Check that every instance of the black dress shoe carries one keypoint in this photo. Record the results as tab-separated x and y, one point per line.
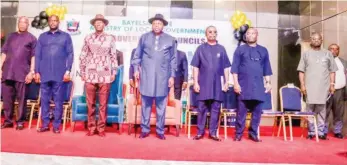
198	137
20	127
254	138
43	129
310	137
7	125
323	137
215	138
161	136
143	135
338	135
90	133
102	134
238	138
56	131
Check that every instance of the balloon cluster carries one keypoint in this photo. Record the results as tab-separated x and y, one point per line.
239	19
59	11
40	21
241	24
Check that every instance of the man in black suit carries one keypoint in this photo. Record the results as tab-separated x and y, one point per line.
181	79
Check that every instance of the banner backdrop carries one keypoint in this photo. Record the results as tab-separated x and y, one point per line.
189	34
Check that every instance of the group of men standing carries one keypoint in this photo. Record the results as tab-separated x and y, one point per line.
156	63
48	60
157	66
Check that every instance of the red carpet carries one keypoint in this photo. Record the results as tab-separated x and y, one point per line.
271	150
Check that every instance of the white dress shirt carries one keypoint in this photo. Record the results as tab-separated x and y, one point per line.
340	78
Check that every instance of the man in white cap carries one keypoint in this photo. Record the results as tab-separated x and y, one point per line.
98	68
156	54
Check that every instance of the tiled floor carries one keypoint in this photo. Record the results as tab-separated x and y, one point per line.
31	159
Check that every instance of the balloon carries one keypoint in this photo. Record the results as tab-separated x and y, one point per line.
244	28
57	10
37	18
64	9
54	7
234	26
249	23
242	17
43	15
239	24
43	22
238	12
234	18
34	24
237	35
55	13
49	11
41	27
61	16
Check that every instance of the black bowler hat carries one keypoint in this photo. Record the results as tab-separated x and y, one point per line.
159	17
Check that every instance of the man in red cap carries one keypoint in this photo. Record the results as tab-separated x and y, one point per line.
98	69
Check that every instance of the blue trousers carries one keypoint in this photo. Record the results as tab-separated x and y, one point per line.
49	89
212	106
255	107
160	103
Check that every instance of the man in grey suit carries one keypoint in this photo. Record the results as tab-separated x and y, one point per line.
156	56
336	103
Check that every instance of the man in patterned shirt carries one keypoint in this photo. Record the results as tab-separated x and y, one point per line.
98	70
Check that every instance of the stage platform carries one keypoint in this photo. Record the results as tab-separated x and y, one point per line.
123	146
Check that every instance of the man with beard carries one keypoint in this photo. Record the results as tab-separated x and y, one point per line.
210	64
251	65
17	70
156	55
317	69
336	103
98	69
53	62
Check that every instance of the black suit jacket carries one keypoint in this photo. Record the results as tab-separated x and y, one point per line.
182	68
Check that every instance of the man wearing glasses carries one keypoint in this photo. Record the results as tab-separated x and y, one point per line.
251	65
210	64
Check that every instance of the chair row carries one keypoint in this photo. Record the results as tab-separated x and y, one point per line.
292	106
